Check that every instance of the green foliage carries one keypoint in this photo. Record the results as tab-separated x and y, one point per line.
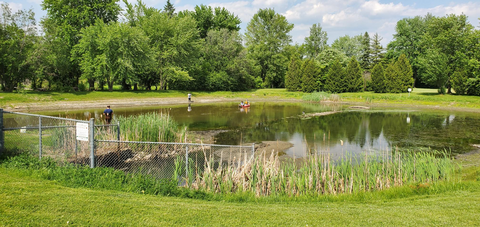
376	49
310	76
69	17
266	37
169	8
473	86
353	76
378	79
405	73
434	68
214	19
408	40
71	175
350	46
294	75
225	63
176	45
459	82
17	38
114	53
316	42
366	50
335	82
392	78
330	55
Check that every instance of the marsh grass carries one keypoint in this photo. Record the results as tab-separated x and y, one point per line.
151	127
320	97
318	174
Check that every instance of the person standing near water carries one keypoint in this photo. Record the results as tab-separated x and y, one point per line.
108	114
189	97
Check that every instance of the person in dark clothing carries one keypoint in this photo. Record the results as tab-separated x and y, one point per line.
108	115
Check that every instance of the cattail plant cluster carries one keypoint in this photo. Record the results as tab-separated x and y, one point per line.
318	174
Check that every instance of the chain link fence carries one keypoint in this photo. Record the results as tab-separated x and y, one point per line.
58	138
164	160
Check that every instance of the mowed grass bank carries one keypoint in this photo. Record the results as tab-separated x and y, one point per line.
28	198
30	201
419	97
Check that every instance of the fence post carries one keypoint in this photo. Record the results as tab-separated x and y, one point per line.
253	149
2	135
118	130
186	162
91	135
40	138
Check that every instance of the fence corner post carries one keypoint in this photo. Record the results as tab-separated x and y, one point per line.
2	135
91	135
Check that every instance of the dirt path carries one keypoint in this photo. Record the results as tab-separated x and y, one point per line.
125	102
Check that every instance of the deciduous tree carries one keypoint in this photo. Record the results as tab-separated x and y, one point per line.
266	37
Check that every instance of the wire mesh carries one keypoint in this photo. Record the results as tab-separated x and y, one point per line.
166	160
44	136
56	138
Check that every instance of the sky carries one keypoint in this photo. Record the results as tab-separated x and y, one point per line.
337	17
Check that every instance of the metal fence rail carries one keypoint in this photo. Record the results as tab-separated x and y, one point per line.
56	138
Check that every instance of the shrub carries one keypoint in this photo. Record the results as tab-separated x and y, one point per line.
378	79
473	86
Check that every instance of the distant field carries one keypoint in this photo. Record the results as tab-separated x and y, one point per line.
419	96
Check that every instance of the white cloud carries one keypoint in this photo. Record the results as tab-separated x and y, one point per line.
14	6
270	3
243	9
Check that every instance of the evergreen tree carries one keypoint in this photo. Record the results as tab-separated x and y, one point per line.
353	76
405	73
366	58
309	78
392	81
378	79
459	82
169	8
335	82
293	76
377	49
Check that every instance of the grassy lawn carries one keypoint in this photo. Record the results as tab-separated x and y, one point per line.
27	200
419	96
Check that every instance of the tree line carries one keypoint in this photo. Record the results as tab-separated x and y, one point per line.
95	44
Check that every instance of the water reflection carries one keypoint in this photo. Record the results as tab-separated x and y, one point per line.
372	130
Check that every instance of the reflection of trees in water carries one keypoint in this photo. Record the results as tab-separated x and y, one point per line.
359	128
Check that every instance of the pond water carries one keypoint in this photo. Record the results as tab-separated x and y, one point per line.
346	130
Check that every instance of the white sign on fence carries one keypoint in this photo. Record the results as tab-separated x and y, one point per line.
82	131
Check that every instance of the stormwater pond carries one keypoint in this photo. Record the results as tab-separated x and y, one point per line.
314	127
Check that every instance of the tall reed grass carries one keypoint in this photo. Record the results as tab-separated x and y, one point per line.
151	127
320	175
320	96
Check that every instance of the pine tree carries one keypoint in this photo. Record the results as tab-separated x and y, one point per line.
309	79
377	49
378	79
336	78
405	73
459	82
366	58
392	82
353	76
293	75
169	8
